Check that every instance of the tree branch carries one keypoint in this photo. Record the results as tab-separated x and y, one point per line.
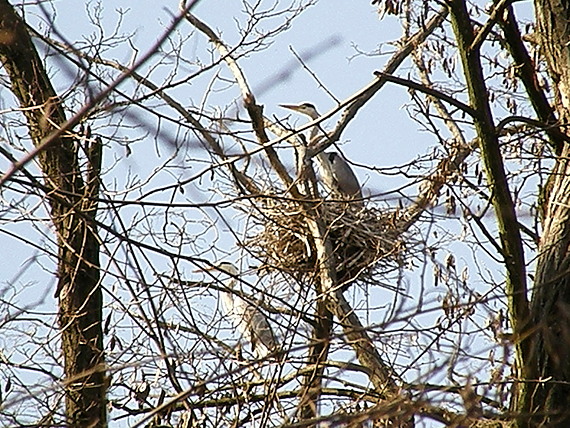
525	69
509	232
255	111
52	139
428	91
498	9
356	101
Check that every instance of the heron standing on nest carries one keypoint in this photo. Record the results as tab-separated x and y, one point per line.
336	174
245	316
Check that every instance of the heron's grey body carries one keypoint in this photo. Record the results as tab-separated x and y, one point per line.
336	174
246	317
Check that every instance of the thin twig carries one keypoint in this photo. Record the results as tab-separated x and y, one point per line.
53	138
428	91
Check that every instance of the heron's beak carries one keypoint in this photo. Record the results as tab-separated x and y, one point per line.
290	106
206	283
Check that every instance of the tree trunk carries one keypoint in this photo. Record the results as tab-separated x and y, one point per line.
73	210
318	353
544	399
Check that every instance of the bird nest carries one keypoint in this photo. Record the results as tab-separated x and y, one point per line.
363	240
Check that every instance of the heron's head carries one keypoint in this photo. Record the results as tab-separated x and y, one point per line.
225	267
307	109
332	157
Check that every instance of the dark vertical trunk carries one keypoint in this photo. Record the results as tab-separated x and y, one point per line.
544	400
318	354
72	212
507	222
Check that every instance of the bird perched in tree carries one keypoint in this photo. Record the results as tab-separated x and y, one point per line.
245	316
307	109
336	174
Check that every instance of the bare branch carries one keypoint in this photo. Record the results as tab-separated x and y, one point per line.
69	124
428	91
255	111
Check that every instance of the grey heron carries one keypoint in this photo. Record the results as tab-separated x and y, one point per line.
307	109
336	174
245	316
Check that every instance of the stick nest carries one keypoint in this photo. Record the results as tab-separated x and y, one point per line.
364	240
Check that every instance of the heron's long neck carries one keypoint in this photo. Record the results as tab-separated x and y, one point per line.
314	129
228	297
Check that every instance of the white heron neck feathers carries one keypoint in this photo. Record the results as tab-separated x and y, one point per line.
246	316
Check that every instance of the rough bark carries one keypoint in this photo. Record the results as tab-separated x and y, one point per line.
72	212
509	233
526	71
318	353
545	398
